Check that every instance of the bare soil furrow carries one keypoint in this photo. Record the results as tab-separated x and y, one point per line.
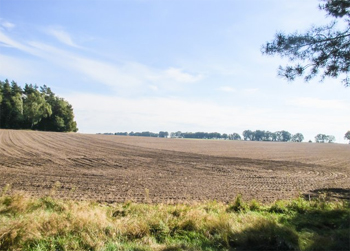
116	169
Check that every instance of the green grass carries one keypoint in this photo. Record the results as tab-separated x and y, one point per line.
52	224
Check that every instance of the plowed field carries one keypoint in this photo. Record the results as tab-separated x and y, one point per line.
119	168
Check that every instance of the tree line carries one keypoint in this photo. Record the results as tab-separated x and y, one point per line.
248	135
34	108
279	136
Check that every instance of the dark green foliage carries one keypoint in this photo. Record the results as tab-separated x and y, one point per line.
324	48
280	136
187	135
238	206
258	135
33	109
144	134
347	136
323	138
235	136
121	133
298	137
11	107
162	134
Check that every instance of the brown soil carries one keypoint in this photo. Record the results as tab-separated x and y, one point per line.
118	168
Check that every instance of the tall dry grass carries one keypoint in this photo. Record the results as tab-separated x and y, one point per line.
50	224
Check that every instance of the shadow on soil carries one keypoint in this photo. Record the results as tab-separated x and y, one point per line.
329	194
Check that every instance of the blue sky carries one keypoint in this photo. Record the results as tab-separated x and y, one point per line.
170	65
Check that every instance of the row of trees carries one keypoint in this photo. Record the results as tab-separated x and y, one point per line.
161	134
279	136
248	135
179	134
34	108
323	138
201	135
257	135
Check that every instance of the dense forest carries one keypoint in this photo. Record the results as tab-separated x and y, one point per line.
34	108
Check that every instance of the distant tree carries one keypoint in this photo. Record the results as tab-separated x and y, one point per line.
273	136
224	136
268	136
163	134
321	138
235	136
35	108
248	135
325	49
177	134
62	118
260	135
331	139
283	136
16	106
298	137
214	135
6	105
121	133
144	134
347	136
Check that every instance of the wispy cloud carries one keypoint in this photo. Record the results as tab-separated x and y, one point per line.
181	76
250	90
169	113
7	25
200	115
227	89
61	36
9	42
127	75
11	66
319	103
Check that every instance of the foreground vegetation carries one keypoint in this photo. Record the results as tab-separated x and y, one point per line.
51	224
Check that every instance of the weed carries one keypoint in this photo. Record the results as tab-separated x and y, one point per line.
147	199
6	189
279	207
238	206
254	205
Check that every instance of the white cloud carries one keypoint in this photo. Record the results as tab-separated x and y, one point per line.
11	67
61	36
111	114
127	75
180	76
153	87
226	89
251	90
9	42
7	25
154	113
320	103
